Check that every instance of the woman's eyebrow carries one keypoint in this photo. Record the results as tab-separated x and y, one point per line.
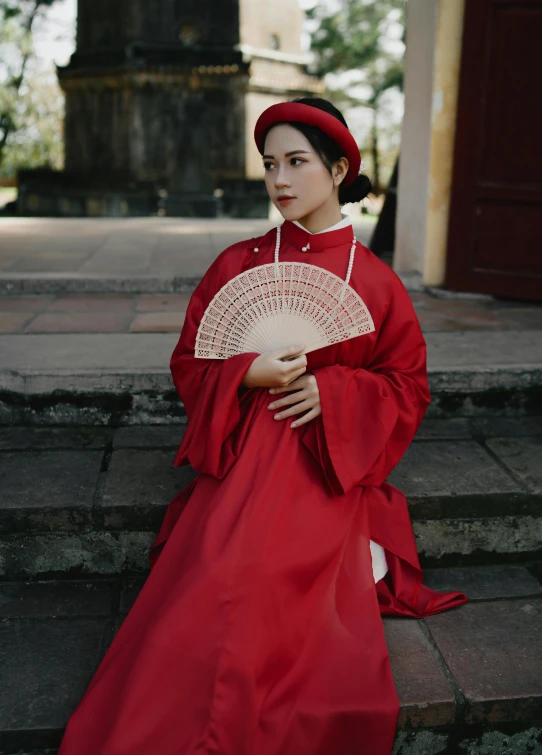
288	154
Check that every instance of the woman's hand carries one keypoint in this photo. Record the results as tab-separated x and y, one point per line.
276	369
306	397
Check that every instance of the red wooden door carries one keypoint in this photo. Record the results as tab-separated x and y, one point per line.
495	228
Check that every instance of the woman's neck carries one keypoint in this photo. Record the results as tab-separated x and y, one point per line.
321	218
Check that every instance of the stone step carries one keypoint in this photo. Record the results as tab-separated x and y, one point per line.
124	378
97	283
468	679
89	500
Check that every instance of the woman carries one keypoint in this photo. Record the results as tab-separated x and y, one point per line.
258	630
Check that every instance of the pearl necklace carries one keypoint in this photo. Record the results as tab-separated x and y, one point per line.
348	272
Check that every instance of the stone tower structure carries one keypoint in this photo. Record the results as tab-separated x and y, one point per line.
161	101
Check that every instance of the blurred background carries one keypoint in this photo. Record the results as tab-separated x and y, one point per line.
127	164
148	109
348	53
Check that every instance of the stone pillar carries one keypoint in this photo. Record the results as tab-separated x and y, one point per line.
433	54
161	101
155	94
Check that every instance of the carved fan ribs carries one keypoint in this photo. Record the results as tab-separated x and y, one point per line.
256	311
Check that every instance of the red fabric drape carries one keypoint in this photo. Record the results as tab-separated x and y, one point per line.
258	630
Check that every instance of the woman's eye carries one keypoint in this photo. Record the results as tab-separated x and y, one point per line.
268	166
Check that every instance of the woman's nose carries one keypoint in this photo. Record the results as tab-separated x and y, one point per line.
281	179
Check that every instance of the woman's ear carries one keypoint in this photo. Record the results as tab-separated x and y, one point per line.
340	169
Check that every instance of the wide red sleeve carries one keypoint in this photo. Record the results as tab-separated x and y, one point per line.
210	389
371	414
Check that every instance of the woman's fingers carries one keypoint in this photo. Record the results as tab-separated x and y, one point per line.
291	398
306	398
288	351
298	363
301	406
291	379
268	369
306	417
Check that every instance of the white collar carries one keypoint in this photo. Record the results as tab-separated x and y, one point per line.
344	223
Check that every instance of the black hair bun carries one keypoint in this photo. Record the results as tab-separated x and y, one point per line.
356	191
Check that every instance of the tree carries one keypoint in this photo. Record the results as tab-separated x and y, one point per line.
352	39
17	19
38	142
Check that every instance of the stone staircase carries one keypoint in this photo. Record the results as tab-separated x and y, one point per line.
89	425
81	505
124	379
468	679
87	501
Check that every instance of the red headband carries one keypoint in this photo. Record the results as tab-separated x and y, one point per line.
300	113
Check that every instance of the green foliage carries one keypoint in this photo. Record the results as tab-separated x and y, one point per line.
349	38
22	107
353	38
38	141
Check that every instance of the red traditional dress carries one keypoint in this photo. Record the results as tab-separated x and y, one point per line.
259	630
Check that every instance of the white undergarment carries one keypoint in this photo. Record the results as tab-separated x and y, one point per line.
380	565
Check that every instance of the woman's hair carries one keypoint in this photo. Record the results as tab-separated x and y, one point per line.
329	151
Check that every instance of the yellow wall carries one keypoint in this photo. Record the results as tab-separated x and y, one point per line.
259	20
443	117
412	190
433	39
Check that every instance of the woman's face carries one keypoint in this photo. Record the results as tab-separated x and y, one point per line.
292	168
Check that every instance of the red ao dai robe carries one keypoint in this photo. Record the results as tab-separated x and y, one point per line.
259	630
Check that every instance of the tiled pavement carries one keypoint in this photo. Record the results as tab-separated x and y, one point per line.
93	313
141	246
162	313
104	254
118	245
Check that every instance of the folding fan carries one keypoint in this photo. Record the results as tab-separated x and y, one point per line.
280	304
